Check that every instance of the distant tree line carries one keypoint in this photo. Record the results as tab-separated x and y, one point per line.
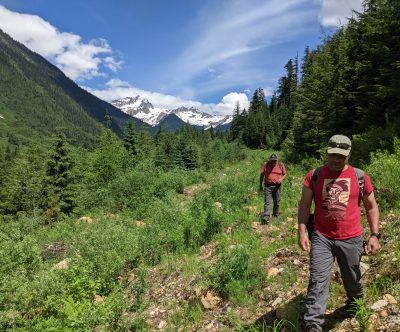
66	179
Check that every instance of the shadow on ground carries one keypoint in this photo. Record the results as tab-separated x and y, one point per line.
289	317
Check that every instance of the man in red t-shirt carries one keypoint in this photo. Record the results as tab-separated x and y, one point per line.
337	230
272	174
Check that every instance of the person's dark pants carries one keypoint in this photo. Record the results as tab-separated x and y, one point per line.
272	191
323	253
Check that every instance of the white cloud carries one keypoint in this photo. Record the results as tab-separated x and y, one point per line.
268	91
117	83
118	89
76	59
227	36
229	102
335	13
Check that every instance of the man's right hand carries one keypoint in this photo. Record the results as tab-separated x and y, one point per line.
304	242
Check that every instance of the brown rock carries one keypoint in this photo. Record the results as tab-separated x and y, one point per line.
63	265
85	219
383	313
272	272
379	305
162	325
98	299
131	277
276	302
228	230
210	300
218	205
372	323
390	299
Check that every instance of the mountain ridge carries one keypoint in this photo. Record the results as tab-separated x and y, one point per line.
37	98
143	109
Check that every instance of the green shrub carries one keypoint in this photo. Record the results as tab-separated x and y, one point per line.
236	273
384	171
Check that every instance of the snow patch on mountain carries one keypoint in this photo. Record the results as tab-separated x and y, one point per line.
142	109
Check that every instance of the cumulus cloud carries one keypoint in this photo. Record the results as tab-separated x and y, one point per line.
78	60
335	13
118	89
229	102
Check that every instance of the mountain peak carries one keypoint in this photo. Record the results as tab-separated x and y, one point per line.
144	110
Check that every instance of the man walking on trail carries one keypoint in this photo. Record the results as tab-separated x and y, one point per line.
272	174
337	192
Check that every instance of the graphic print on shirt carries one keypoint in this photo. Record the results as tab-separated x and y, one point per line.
335	197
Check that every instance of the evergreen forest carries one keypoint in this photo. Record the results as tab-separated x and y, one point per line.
105	226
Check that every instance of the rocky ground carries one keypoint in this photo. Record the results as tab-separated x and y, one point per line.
174	286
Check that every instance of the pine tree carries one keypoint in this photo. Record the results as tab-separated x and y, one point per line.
238	123
131	140
59	178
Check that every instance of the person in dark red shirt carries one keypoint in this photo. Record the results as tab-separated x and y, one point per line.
337	232
272	174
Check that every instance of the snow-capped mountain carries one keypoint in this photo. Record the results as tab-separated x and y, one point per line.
142	109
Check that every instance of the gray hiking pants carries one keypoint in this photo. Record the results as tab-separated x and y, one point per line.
323	253
272	191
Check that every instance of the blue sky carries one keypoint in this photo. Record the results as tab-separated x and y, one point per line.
202	53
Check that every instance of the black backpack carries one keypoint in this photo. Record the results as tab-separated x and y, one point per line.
314	179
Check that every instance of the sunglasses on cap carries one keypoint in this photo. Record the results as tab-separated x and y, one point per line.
343	146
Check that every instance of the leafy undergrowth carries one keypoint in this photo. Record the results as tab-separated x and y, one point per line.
196	260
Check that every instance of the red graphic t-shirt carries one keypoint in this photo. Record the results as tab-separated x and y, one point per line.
272	172
337	214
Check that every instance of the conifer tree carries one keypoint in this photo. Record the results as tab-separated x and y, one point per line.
59	179
238	123
131	140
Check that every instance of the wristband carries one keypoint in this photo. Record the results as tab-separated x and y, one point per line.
377	235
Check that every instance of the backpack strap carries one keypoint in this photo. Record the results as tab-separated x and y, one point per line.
314	179
360	180
280	166
311	219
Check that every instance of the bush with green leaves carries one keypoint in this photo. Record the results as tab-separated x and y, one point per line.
236	272
385	175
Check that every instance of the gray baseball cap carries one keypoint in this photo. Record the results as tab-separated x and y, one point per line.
339	144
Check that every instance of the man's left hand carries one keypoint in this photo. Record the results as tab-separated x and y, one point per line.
373	245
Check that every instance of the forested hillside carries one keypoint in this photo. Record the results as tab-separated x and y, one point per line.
349	84
36	98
